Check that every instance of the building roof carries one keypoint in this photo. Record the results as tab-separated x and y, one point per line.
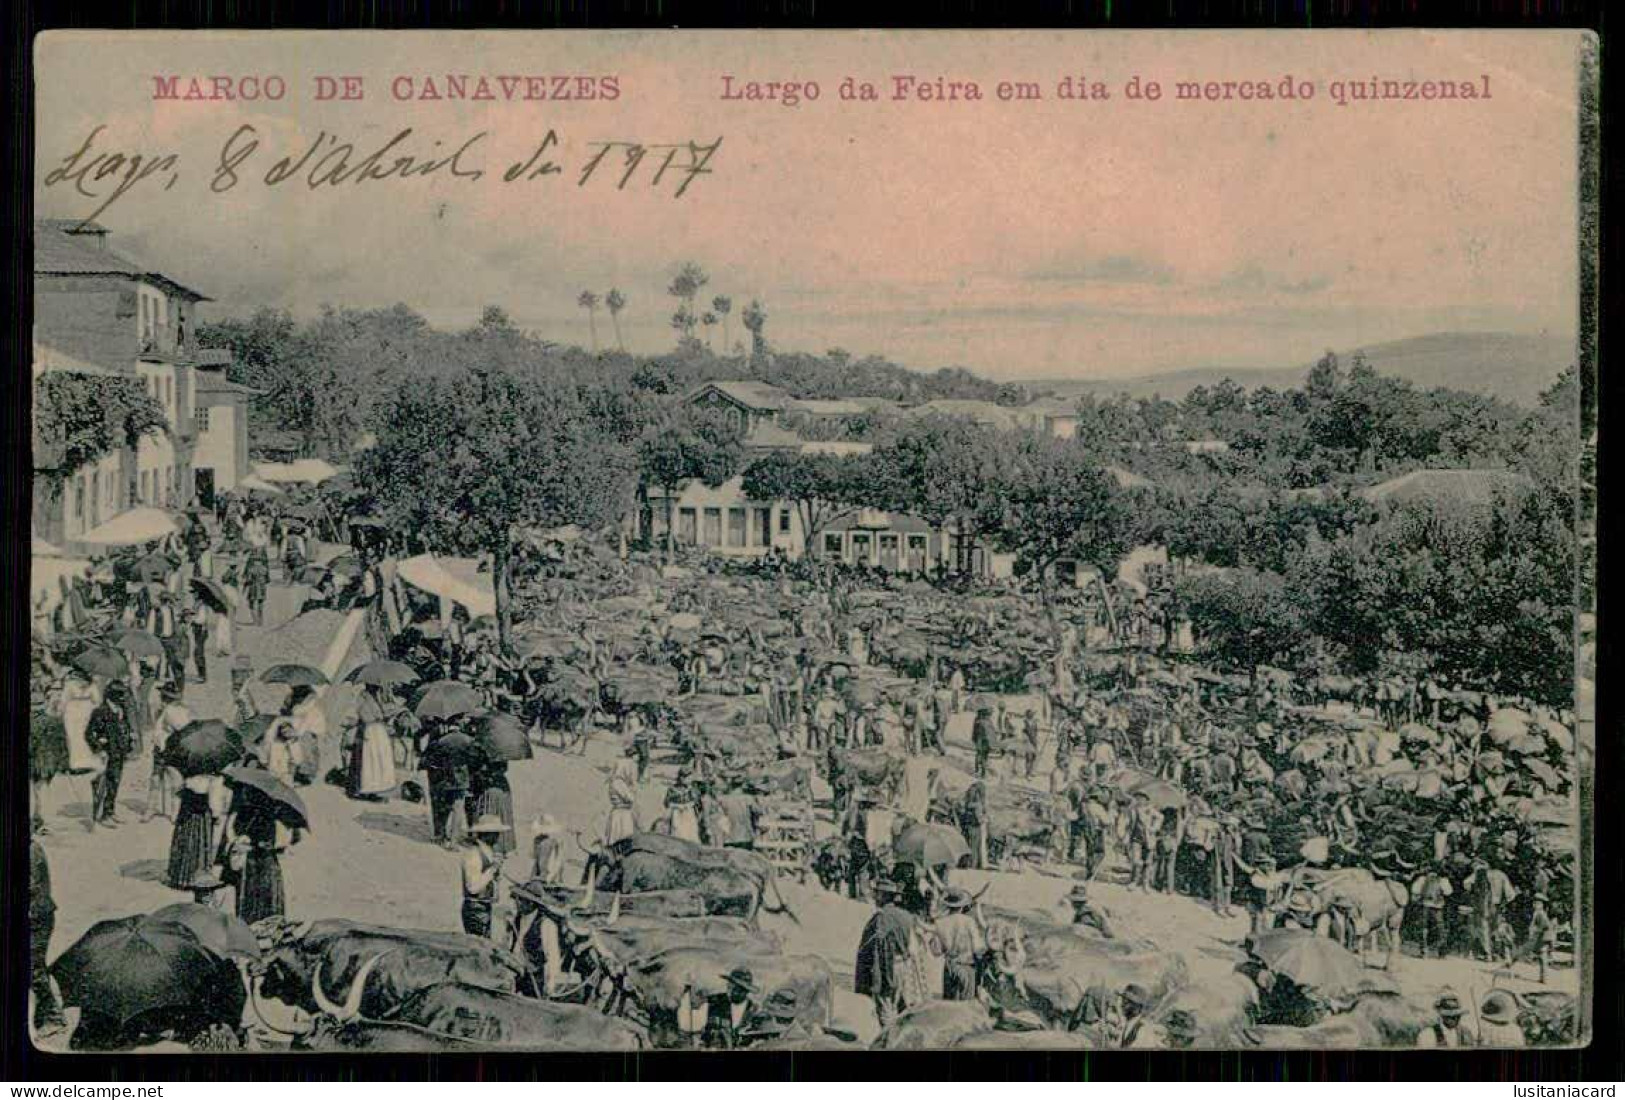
822	407
771	436
216	382
836	447
1467	486
1051	406
983	412
756	396
63	246
48	358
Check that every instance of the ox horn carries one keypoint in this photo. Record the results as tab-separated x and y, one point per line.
254	1003
351	1008
614	910
592	890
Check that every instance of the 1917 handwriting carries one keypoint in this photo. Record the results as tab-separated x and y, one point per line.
330	160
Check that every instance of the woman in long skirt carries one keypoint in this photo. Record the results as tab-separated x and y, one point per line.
261	839
372	756
490	796
191	847
372	762
80	697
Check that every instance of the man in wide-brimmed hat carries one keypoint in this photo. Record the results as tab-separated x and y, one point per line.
964	942
729	1012
1133	1001
1085	913
482	867
1447	1030
1498	1016
887	969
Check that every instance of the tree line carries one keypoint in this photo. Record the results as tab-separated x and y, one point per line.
1278	557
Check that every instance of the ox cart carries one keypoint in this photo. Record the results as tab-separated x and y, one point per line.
785	837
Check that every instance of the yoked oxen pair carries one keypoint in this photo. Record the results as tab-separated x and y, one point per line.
414	990
664	970
1353	905
734	882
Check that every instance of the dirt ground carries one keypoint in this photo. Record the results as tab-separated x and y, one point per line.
375	862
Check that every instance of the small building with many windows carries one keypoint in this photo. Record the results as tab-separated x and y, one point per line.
220	460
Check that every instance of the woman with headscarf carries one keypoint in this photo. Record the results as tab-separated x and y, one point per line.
372	755
623	819
256	843
80	698
191	843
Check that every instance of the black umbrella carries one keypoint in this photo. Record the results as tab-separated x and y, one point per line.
283	800
447	699
216	929
139	643
153	567
294	675
451	750
501	736
124	968
203	747
100	661
384	673
213	594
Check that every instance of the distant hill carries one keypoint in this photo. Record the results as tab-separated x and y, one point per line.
1512	366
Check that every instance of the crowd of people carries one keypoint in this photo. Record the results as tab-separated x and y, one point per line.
1024	727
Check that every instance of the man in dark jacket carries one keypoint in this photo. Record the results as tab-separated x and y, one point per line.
110	734
886	970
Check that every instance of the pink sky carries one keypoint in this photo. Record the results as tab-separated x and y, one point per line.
1058	239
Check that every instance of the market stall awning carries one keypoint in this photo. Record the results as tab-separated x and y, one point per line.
255	483
455	579
309	470
45	577
131	528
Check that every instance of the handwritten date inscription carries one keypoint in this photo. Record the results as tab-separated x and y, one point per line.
331	161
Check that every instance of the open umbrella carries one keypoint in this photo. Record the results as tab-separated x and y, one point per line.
139	643
252	732
203	747
1318	963
153	567
451	750
213	593
216	929
447	699
125	968
501	736
294	675
100	661
930	846
283	800
384	674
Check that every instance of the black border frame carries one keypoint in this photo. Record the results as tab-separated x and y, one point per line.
1603	1060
